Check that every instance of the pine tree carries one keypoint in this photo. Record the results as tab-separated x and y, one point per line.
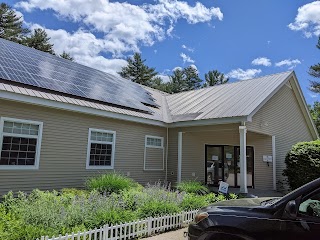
11	24
137	71
177	81
192	78
66	55
315	114
39	40
213	78
314	71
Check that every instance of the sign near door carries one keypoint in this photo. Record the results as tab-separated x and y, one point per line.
223	187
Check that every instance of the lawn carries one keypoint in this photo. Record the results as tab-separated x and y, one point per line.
108	199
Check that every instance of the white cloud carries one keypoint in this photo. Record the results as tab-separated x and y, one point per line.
288	62
243	74
186	58
307	19
177	68
165	78
187	48
126	26
84	47
263	61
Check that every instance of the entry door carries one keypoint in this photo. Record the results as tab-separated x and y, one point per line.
250	162
214	163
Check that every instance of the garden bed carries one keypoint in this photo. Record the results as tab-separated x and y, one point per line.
50	213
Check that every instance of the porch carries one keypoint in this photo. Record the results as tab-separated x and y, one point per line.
230	152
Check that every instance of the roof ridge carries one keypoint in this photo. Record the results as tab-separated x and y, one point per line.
229	83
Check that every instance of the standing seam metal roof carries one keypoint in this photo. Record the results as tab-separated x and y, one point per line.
223	101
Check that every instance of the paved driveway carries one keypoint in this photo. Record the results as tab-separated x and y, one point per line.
173	235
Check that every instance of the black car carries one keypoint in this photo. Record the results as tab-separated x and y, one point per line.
294	216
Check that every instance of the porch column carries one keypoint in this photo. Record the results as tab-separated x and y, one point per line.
179	156
274	172
243	159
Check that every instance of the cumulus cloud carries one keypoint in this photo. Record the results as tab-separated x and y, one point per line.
164	78
187	48
307	19
125	26
243	74
186	58
263	61
288	62
84	47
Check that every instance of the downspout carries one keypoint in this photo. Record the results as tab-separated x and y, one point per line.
166	178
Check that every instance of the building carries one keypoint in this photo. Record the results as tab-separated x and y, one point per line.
62	122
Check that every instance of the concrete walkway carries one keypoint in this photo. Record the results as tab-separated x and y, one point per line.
173	235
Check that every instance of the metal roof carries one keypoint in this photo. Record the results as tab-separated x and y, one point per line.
229	100
224	101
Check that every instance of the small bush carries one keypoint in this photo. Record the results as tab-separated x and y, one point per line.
303	163
110	183
192	187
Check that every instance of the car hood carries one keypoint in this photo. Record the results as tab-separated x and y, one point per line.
243	202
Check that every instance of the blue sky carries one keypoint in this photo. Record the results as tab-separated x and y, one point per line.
240	38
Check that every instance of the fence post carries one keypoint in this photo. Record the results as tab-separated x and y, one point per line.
149	226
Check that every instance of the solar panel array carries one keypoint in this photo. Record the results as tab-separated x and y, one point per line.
25	65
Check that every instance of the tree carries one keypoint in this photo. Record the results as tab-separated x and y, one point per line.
137	71
314	71
39	40
11	24
192	78
315	114
177	81
66	55
213	78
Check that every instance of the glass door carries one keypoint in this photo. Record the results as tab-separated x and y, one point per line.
214	164
250	162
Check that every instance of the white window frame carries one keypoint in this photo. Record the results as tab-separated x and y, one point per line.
113	143
150	146
38	147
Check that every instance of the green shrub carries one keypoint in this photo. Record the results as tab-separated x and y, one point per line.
192	187
192	201
110	183
303	163
74	192
156	208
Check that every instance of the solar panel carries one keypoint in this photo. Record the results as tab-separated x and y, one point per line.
26	65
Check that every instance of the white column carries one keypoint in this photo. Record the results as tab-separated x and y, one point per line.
179	156
243	159
274	172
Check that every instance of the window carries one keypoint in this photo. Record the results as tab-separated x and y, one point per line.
153	153
20	143
310	206
154	141
100	152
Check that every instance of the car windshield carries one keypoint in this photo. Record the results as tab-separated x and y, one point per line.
270	202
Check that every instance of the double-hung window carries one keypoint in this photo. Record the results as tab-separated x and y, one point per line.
20	142
101	149
153	153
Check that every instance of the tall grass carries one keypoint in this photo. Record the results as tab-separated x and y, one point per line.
192	186
110	183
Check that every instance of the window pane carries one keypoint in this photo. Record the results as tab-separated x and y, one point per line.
18	151
20	128
103	137
156	142
100	154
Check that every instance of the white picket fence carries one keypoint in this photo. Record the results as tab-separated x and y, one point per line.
141	228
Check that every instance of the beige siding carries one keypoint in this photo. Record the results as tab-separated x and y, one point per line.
64	146
154	158
193	148
281	116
